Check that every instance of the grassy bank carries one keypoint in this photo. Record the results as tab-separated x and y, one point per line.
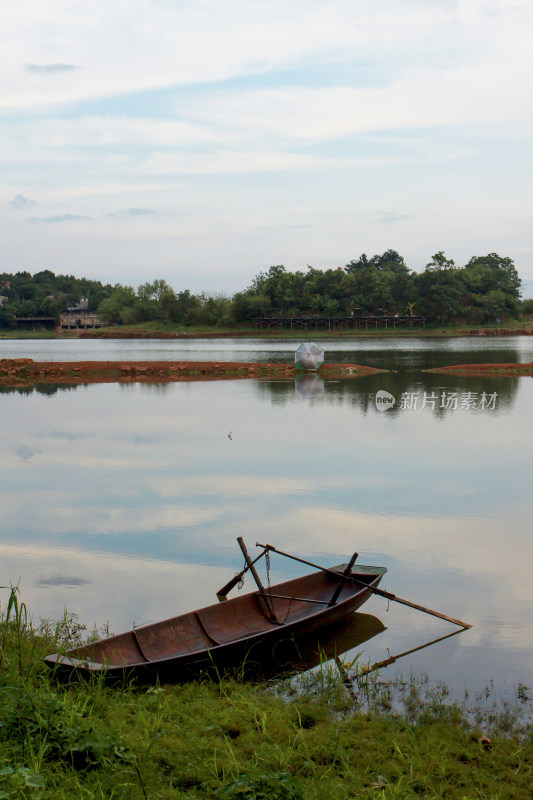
158	329
238	741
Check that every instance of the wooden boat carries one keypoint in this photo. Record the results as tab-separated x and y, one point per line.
244	629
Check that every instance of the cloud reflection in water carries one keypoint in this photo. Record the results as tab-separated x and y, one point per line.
132	514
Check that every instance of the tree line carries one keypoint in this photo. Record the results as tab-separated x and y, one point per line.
484	289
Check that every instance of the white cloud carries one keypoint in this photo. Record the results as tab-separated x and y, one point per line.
97	131
467	95
286	111
226	162
139	44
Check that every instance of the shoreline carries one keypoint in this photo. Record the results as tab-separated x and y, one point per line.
300	737
126	332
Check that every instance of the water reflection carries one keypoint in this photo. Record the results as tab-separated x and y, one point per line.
47	389
411	391
309	386
440	354
393	659
62	580
313	650
131	515
438	394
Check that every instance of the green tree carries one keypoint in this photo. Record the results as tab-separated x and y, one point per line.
7	317
121	305
440	290
247	306
440	262
492	288
527	307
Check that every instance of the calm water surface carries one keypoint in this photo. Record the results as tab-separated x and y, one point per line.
382	352
123	502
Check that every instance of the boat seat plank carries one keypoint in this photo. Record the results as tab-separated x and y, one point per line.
177	636
139	645
247	619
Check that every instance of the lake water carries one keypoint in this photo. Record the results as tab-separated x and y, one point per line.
123	502
382	352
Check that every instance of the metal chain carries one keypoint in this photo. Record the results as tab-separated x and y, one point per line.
267	562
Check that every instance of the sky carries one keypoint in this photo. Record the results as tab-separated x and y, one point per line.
202	142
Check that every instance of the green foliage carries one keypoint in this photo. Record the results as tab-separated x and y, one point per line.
157	301
20	782
58	730
527	308
121	307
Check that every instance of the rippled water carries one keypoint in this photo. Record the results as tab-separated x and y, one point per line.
123	502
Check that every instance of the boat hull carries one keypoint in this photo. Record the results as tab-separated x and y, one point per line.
238	635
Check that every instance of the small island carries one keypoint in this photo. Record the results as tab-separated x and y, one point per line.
26	371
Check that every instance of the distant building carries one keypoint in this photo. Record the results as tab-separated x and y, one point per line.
77	315
3	299
82	305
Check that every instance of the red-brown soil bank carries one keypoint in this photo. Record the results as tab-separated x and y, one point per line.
25	371
500	370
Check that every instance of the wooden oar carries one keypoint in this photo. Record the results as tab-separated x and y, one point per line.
373	589
271	614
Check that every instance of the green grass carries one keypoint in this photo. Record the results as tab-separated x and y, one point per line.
430	330
152	327
8	334
296	739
